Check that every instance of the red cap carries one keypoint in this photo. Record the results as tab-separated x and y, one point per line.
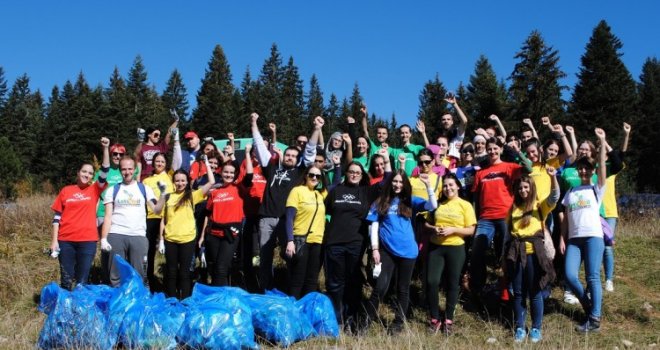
117	147
190	135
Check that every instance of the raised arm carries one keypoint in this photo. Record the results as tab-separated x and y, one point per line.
525	162
422	130
168	135
260	149
232	144
209	176
496	119
568	152
273	132
349	147
574	145
553	198
601	171
365	123
432	202
462	118
546	122
626	137
310	148
177	157
105	163
530	125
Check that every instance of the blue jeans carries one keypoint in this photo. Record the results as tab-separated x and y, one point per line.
75	261
608	257
589	249
526	283
487	231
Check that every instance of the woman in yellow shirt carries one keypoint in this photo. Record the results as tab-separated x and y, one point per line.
450	223
179	231
304	226
528	267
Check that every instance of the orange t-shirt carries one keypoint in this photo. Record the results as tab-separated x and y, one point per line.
493	188
78	208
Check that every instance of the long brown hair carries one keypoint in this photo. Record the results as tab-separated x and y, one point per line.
405	197
187	193
526	204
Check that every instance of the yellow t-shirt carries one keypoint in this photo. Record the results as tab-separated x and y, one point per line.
542	181
419	189
180	223
609	198
152	181
305	201
536	223
455	212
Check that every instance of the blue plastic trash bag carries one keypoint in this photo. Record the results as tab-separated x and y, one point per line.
277	319
321	314
213	326
152	324
231	300
74	321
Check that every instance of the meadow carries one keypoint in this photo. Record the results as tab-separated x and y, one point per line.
630	313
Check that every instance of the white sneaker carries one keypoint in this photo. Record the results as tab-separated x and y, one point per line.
570	298
609	286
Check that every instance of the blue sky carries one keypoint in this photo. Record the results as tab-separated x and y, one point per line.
389	48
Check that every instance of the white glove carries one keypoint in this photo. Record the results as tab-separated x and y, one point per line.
175	133
105	246
161	247
202	259
377	268
55	253
141	134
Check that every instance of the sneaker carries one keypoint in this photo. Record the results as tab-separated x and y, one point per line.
570	298
592	325
609	286
434	325
448	327
535	335
520	335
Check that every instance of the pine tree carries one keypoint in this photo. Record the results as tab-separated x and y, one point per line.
485	96
605	94
392	129
292	104
331	114
3	89
249	101
535	89
146	108
269	88
215	114
314	105
116	111
175	97
647	132
11	169
432	106
52	166
356	101
22	120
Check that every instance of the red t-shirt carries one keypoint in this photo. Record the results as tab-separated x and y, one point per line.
256	193
226	204
493	185
78	208
147	155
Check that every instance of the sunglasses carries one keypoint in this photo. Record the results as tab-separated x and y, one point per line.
116	154
301	141
156	134
319	160
314	176
467	150
424	162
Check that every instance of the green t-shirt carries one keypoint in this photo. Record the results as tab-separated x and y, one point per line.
411	152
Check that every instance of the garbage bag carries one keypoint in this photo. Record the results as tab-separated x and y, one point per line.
152	324
277	319
320	313
74	321
212	326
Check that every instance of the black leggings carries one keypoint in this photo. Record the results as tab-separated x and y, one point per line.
153	236
439	257
304	270
177	260
219	256
404	269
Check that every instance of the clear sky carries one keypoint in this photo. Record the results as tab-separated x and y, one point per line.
390	48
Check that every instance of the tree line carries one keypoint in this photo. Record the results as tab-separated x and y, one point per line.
45	138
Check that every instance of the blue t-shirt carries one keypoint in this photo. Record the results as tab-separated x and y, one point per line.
395	231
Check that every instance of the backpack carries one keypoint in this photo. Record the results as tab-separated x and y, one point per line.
115	191
608	235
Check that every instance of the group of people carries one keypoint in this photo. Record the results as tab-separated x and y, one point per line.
358	209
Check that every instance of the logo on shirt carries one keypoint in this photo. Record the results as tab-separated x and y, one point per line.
280	175
78	197
222	197
129	199
580	203
348	199
494	176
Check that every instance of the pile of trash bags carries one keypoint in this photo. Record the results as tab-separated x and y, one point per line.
129	316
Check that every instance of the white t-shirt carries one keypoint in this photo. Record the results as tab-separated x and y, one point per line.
129	216
582	208
455	145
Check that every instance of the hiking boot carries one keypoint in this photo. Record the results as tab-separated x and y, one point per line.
570	298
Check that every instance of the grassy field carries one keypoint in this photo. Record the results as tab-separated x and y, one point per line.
630	314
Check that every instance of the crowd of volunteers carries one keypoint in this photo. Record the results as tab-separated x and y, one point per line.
445	212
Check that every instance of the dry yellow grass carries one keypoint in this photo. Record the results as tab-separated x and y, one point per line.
25	232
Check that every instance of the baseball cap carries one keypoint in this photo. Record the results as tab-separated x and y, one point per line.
190	135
